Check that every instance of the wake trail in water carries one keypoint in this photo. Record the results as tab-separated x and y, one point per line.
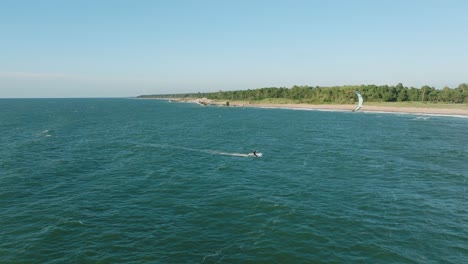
229	154
206	151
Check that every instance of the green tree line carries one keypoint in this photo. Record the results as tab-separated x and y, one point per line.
339	94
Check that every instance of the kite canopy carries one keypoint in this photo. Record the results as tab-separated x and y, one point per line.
359	105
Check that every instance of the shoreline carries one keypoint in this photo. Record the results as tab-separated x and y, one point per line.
439	111
364	108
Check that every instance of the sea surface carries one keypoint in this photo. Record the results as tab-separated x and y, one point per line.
149	181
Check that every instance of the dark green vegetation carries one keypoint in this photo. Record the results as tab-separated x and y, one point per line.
338	94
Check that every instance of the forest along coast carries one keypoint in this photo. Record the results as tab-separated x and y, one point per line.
384	98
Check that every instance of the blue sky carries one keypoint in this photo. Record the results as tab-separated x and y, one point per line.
127	48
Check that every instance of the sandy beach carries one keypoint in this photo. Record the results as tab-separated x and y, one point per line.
435	110
365	108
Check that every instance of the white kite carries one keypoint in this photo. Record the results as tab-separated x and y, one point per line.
359	105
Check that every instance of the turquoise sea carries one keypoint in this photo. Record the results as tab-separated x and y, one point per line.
149	181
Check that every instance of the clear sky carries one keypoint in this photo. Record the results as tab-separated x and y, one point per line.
99	48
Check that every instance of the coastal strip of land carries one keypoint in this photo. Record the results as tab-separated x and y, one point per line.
371	108
408	108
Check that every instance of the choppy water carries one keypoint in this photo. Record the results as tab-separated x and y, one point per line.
146	181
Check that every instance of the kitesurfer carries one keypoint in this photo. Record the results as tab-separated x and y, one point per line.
255	153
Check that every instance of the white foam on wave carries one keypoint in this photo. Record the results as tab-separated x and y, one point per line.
43	133
74	222
422	117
